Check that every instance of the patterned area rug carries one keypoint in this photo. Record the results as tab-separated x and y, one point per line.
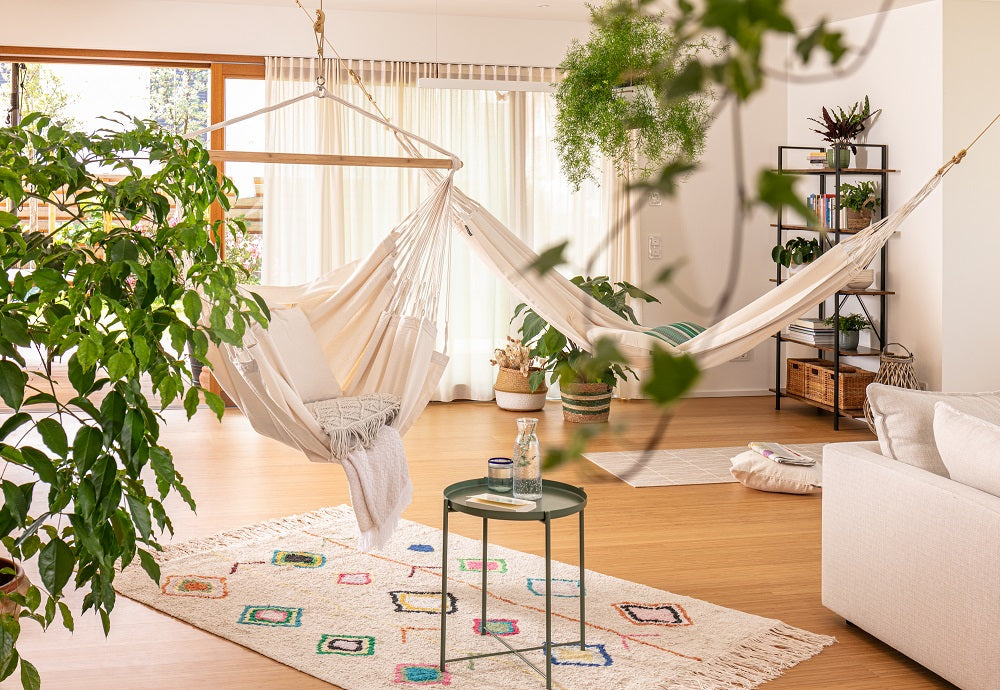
681	466
296	590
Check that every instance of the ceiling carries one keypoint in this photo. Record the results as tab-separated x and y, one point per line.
805	11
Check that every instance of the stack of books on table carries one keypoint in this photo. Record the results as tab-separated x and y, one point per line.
818	159
812	331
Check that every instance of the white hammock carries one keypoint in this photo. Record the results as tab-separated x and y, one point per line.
376	319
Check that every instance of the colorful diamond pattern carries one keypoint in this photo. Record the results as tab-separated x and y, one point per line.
421	602
271	616
299	559
354	579
671	615
501	627
475	565
593	655
560	587
201	586
346	645
421	674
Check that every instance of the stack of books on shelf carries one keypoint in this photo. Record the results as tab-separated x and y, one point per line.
812	331
825	208
818	159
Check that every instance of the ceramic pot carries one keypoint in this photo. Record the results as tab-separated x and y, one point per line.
845	158
10	584
586	403
849	340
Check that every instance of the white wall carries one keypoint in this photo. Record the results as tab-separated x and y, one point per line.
249	29
971	241
698	228
903	76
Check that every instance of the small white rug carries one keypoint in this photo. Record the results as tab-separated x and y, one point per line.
681	466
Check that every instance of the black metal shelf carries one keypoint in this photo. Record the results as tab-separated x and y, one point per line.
833	235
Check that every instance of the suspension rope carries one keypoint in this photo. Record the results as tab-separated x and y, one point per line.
957	158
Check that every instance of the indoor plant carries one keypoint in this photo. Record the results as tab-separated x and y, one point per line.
513	388
797	252
850	327
860	200
608	107
841	128
585	379
116	293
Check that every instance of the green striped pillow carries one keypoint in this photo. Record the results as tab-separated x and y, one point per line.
676	333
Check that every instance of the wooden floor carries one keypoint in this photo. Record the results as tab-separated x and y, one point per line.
723	543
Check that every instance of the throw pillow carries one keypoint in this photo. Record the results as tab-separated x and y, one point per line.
968	447
757	472
904	421
298	354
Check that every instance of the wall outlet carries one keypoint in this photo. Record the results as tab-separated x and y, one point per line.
745	357
654	247
655	199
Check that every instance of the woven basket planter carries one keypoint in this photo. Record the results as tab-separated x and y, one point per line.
586	403
513	392
858	220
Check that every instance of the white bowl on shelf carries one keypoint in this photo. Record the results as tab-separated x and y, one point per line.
862	281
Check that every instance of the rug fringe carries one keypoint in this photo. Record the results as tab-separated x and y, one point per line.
752	663
258	531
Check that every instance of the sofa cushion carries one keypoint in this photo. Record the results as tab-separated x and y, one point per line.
968	447
757	472
904	421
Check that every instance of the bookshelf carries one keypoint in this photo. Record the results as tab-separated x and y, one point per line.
822	177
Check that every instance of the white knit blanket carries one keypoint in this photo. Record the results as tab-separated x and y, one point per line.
371	453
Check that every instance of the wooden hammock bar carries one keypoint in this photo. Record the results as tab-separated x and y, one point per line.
328	159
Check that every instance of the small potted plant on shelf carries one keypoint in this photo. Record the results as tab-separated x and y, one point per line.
585	381
841	128
513	385
797	252
850	328
860	200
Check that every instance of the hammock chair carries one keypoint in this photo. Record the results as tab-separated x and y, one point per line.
371	326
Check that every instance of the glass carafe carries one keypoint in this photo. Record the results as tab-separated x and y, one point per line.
527	461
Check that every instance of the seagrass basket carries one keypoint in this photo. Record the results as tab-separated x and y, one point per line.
893	370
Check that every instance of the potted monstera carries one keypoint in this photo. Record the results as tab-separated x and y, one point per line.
115	293
586	380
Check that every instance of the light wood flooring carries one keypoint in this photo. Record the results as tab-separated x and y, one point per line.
724	543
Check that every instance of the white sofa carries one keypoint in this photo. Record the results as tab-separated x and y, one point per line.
914	559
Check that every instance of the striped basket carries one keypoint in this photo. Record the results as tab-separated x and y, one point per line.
586	403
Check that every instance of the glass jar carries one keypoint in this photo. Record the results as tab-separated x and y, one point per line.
527	461
500	475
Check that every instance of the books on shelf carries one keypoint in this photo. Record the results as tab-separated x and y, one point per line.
825	208
781	454
812	331
818	159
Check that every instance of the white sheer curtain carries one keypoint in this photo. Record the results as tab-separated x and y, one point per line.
317	218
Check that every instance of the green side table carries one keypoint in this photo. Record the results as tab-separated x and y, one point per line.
558	500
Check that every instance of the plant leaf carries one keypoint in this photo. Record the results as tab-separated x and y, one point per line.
55	565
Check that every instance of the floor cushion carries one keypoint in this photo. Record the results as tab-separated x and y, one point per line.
752	469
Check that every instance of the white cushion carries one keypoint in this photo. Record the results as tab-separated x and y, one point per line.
301	355
969	448
757	472
904	421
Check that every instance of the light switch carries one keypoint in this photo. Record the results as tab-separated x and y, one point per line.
654	247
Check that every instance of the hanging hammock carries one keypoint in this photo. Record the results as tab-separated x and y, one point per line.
375	321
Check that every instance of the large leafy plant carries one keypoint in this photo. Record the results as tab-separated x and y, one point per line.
843	127
564	360
115	293
639	133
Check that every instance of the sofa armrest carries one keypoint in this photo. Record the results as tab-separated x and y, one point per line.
914	559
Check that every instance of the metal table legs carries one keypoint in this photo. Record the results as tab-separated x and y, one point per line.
483	628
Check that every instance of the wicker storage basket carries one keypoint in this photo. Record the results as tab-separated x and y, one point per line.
586	403
511	381
795	378
852	380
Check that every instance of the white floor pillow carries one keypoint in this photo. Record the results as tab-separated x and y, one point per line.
757	472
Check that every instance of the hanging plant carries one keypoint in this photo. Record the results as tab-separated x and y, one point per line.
607	106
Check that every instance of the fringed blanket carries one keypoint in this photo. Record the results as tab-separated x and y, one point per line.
371	453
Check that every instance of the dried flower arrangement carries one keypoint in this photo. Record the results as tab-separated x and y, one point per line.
514	355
